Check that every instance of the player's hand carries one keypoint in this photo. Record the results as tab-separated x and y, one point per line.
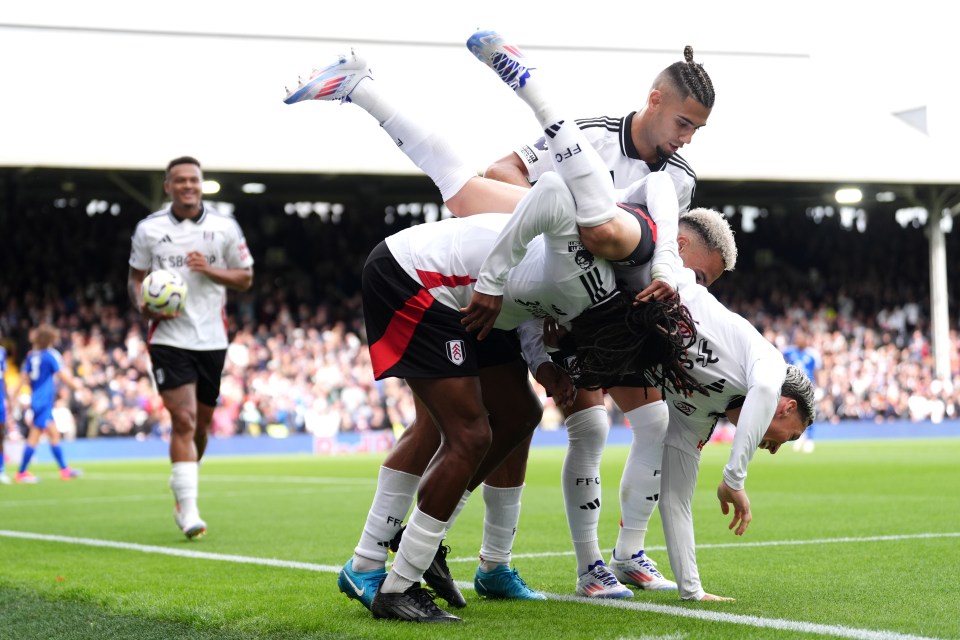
557	383
658	290
741	507
552	332
153	315
196	261
481	313
709	597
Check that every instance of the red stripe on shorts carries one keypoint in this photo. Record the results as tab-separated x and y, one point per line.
643	214
387	351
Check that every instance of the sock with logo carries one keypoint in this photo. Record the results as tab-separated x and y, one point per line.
420	541
640	484
391	503
580	480
500	518
574	159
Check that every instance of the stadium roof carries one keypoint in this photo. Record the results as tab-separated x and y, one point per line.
806	93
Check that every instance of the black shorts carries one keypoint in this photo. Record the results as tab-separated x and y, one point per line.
174	367
412	335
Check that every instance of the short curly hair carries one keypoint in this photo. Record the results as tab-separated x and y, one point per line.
797	385
715	232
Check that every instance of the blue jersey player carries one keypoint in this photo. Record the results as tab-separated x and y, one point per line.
44	368
807	358
4	416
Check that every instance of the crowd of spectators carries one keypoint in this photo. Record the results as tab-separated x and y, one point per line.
298	361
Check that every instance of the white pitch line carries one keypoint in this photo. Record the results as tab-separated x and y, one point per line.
169	551
238	479
681	612
745	545
779	624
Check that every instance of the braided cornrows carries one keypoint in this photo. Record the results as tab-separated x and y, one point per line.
690	78
619	338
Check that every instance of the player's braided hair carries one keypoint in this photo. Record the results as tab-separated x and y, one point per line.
619	337
797	385
690	78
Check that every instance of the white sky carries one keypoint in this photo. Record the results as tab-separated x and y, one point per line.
804	90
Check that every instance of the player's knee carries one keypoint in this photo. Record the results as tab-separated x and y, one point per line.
470	436
183	420
530	414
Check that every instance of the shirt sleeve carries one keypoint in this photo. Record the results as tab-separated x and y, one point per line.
663	208
140	254
548	208
532	345
765	379
237	254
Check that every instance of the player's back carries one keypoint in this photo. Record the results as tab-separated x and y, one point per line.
722	359
40	366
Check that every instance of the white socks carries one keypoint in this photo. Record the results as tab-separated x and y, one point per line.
640	484
366	96
420	541
393	499
580	166
184	482
428	150
500	519
580	480
458	508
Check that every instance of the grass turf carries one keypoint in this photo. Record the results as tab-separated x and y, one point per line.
835	541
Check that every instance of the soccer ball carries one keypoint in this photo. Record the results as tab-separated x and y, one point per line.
164	292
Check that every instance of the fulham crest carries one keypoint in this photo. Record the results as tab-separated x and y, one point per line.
455	352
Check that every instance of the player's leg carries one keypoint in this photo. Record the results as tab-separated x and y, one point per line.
4	478
679	479
397	483
29	448
647	416
397	310
587	424
456	406
574	158
515	411
53	439
605	230
181	403
350	80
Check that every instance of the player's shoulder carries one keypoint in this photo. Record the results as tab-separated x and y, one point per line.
678	167
601	125
155	219
216	218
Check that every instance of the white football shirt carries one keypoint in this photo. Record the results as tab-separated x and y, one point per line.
161	241
611	138
533	257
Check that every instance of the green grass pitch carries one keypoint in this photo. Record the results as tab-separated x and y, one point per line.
857	540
